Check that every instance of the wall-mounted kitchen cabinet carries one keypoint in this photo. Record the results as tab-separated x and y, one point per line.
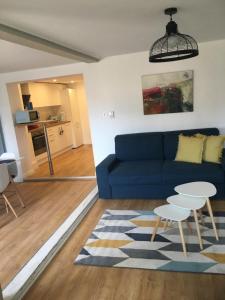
43	94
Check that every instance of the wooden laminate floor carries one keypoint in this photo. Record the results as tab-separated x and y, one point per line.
74	162
63	280
48	204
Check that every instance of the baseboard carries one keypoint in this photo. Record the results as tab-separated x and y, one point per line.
32	170
26	277
55	178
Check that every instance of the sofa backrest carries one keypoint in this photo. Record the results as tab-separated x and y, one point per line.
139	146
153	145
171	139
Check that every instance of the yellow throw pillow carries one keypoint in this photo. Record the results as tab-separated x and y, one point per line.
202	136
213	147
190	149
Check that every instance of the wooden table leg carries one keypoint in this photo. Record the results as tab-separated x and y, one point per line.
165	225
212	218
155	229
198	229
182	238
201	216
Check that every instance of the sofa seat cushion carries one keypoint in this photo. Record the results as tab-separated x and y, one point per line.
175	172
136	172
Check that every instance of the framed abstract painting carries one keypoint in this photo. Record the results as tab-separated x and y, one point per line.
168	92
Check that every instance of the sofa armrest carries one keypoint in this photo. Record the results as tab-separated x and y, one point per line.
102	172
223	159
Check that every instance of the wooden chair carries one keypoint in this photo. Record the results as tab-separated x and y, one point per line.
5	180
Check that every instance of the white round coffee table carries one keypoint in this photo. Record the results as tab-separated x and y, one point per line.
173	213
190	203
200	189
196	189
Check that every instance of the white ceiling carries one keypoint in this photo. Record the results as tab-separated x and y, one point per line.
14	57
103	28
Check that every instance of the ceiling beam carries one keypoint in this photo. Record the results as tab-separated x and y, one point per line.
26	39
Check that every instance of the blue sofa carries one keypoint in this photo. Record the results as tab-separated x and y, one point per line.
143	166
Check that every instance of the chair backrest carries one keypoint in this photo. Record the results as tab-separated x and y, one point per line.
4	177
10	159
7	155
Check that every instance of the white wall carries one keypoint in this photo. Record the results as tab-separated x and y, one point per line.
84	115
114	84
77	95
23	137
23	76
7	121
8	124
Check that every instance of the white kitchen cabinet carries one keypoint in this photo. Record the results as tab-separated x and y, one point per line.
74	108
53	139
44	94
67	132
59	137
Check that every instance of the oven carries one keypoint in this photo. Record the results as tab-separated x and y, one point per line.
39	144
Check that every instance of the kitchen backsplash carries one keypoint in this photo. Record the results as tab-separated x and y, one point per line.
45	112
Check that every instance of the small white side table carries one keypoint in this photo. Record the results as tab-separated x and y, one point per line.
200	189
173	213
190	203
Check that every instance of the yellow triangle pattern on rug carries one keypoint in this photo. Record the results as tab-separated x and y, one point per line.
108	243
146	223
218	257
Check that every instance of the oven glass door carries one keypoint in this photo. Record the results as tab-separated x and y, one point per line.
39	144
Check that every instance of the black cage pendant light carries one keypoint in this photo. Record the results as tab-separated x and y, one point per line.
173	45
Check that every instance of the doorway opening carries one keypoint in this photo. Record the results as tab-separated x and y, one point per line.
58	113
59	144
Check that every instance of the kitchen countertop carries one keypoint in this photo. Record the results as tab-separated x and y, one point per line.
49	124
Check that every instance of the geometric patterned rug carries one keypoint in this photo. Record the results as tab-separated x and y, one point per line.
122	240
